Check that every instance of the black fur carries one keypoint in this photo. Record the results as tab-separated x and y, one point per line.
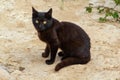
69	37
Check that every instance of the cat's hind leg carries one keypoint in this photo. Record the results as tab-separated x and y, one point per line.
62	55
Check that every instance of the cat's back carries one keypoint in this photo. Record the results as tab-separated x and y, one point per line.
71	26
73	30
70	33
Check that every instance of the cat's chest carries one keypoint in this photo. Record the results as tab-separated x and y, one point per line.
47	36
44	37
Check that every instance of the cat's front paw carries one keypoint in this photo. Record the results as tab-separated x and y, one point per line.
45	55
49	62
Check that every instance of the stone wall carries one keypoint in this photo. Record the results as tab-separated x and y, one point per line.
107	3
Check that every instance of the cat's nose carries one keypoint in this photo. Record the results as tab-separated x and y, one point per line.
40	26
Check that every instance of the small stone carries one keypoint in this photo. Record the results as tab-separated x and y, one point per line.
21	68
4	75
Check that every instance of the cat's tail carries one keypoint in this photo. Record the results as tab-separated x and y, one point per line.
70	61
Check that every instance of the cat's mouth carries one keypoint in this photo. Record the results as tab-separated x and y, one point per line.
42	29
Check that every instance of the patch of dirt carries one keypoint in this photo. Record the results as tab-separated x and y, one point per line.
20	48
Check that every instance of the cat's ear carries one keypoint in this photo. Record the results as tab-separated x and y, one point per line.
49	14
34	12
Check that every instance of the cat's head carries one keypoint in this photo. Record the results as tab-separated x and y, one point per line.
42	20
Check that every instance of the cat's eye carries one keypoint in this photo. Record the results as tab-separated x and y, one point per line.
37	21
44	22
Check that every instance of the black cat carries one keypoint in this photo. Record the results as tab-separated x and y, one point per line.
69	37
